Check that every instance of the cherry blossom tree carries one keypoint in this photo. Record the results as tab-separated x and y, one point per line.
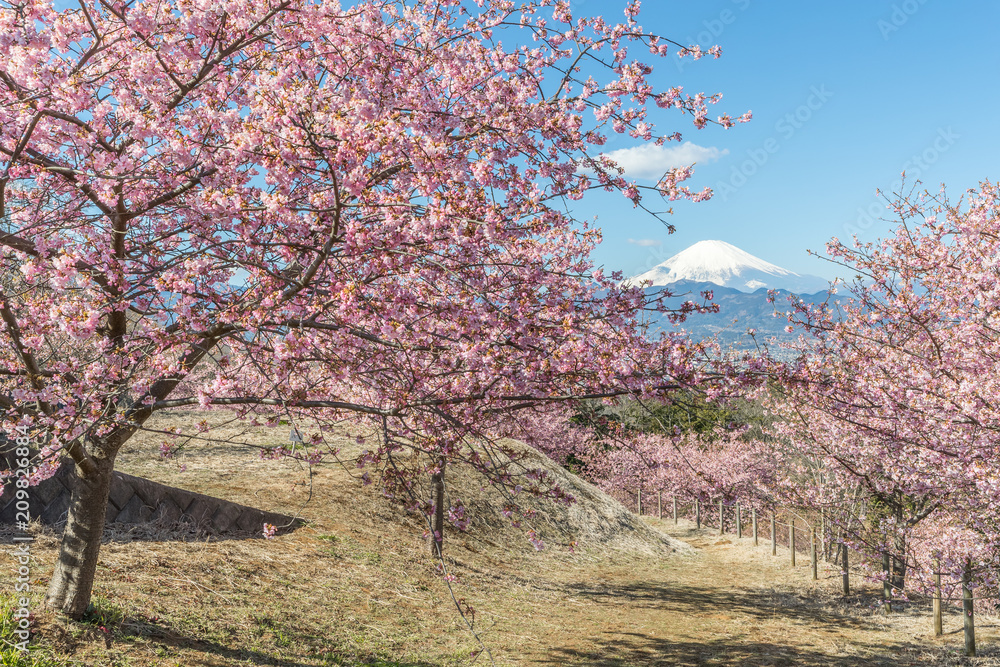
723	465
895	401
629	447
291	207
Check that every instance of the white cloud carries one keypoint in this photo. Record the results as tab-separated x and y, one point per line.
650	161
645	243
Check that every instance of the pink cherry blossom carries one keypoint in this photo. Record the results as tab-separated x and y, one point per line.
300	211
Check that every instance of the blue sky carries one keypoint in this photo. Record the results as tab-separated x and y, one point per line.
844	95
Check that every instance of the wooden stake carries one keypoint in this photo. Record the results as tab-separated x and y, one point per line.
675	510
697	513
886	585
970	621
774	537
938	625
846	573
791	538
739	521
638	501
722	519
812	549
753	514
659	505
822	537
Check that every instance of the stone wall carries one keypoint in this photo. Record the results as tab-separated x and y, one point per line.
135	500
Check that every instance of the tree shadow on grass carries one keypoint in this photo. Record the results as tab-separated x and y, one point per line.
136	631
683	601
633	650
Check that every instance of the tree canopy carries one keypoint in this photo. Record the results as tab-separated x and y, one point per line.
301	206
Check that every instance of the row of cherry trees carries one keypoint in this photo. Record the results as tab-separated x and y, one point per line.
896	402
887	422
623	452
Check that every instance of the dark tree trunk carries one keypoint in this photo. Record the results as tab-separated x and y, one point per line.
73	577
437	518
898	575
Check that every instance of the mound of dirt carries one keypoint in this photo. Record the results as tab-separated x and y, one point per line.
594	521
224	462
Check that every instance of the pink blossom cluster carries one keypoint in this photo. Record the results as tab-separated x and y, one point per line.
720	465
891	411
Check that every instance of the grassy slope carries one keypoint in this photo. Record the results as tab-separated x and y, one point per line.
355	586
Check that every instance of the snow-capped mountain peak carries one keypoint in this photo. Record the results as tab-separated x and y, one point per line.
724	264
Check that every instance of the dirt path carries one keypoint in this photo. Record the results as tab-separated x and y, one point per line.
732	604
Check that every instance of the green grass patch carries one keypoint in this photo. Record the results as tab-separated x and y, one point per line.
11	653
103	612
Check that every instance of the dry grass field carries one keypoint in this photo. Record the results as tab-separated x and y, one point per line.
355	585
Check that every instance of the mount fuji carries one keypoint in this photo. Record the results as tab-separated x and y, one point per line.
725	265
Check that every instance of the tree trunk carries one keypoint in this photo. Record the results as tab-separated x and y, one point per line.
437	518
73	577
898	576
897	565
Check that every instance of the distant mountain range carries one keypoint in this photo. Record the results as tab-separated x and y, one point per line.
740	283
